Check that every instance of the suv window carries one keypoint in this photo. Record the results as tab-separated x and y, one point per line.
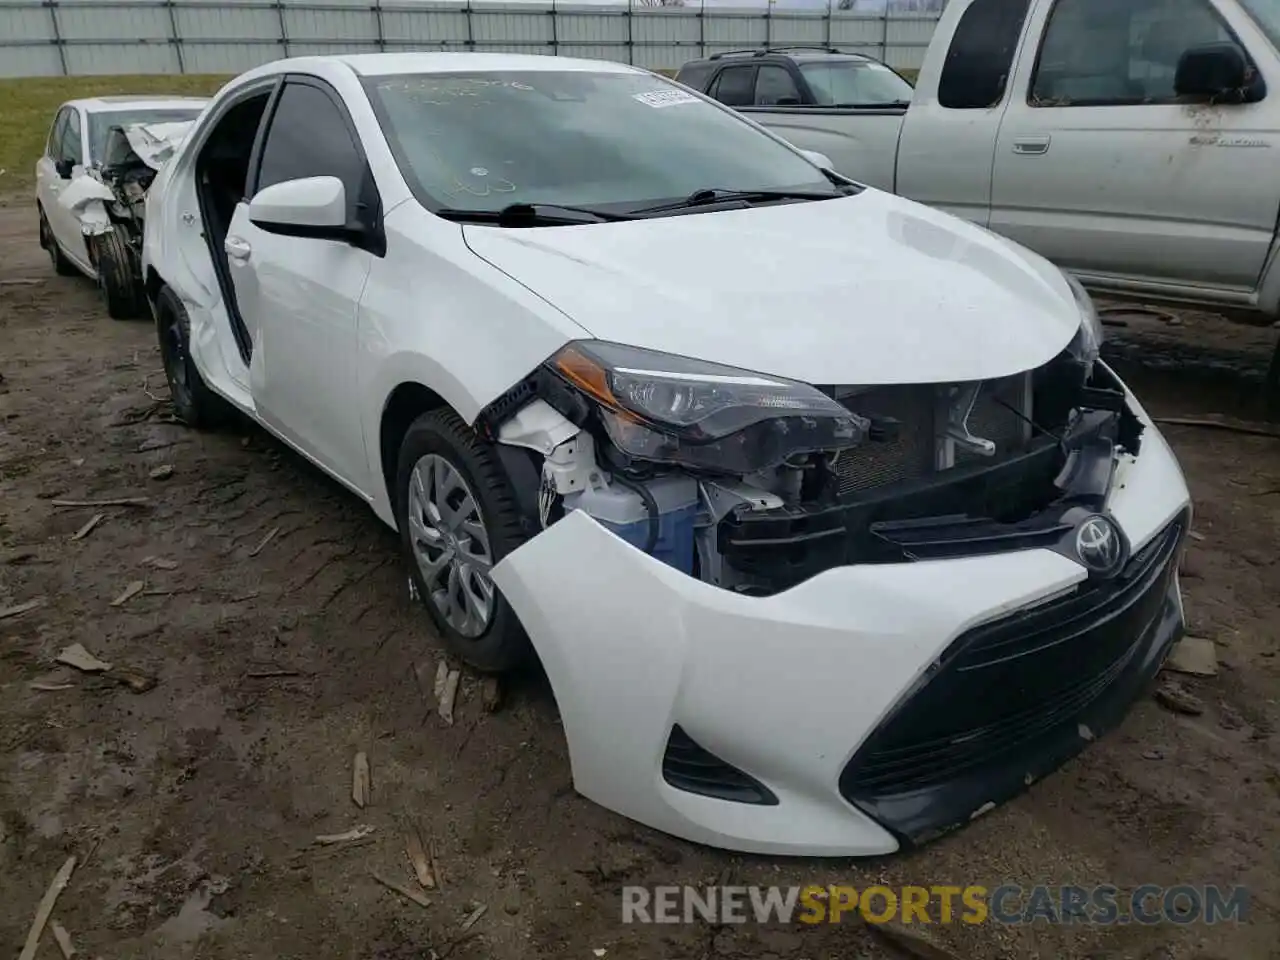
1100	53
309	137
980	58
695	75
774	85
735	87
70	146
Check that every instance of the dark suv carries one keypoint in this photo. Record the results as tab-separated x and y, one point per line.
796	77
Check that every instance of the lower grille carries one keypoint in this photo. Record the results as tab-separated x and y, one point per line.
1003	685
689	767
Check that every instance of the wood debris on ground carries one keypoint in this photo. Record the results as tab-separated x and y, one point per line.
21	608
1175	697
51	684
449	695
60	881
1197	656
162	472
418	857
442	675
136	680
271	535
80	658
64	940
917	945
87	529
361	783
160	563
404	890
128	593
118	502
473	917
355	833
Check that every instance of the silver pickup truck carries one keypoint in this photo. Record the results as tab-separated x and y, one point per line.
1128	141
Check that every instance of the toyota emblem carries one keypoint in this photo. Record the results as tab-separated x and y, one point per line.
1099	544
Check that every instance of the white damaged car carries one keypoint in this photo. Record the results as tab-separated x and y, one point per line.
821	513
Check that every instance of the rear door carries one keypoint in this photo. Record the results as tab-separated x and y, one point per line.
48	183
299	296
1101	169
70	151
947	145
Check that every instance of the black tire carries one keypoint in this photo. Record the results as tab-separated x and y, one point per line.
61	265
193	401
118	285
503	645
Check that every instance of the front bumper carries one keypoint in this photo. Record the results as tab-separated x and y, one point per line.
825	707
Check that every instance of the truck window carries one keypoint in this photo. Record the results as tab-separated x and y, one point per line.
775	86
980	58
735	87
1101	53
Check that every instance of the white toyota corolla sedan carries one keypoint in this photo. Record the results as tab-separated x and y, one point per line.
818	507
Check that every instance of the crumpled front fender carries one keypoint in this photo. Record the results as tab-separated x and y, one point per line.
87	197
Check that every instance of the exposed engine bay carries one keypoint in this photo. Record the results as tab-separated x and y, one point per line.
755	484
109	198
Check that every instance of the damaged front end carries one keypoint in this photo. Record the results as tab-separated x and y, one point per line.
755	484
878	610
109	201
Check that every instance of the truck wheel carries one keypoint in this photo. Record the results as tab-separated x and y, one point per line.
457	518
118	284
61	265
193	401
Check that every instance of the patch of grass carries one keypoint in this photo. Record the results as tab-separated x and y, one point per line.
27	107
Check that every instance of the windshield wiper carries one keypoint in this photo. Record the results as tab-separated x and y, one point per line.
712	195
532	215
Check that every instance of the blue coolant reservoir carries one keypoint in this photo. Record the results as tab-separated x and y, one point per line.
622	510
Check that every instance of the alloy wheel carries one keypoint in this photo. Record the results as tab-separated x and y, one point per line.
451	545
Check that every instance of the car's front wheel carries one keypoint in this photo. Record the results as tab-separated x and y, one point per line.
117	281
193	401
61	265
457	517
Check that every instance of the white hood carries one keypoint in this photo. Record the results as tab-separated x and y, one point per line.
154	143
870	289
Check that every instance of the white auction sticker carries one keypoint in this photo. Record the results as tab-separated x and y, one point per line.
665	98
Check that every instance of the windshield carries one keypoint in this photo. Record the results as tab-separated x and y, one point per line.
605	140
101	123
1267	15
854	83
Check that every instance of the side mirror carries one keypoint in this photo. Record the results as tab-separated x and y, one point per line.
63	168
1213	71
819	159
314	208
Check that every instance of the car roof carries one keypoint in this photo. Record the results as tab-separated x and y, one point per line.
798	54
138	102
391	64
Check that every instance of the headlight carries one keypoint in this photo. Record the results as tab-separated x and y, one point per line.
660	407
1088	339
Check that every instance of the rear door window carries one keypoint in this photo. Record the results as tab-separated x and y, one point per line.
735	87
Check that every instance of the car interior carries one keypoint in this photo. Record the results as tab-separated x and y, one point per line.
222	176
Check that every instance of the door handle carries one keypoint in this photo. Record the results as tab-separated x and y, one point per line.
237	248
1031	146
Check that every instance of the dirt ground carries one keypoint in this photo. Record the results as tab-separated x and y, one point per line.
193	806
